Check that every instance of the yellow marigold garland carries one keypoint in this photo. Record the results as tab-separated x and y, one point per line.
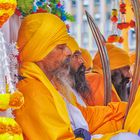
16	100
7	8
9	129
7	100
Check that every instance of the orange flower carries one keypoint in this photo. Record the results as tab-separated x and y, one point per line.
132	23
16	100
114	19
6	10
4	128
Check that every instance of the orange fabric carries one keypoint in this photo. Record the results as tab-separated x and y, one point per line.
96	84
38	36
72	44
118	58
132	123
132	57
86	57
44	114
104	119
39	117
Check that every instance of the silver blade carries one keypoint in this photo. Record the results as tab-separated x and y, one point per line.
100	41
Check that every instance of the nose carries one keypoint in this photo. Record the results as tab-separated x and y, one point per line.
129	74
81	60
67	52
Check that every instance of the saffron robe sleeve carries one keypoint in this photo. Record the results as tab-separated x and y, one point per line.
96	83
104	119
38	117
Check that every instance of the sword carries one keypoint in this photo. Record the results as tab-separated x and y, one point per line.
100	41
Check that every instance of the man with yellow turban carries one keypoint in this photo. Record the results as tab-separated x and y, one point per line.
120	74
90	88
44	114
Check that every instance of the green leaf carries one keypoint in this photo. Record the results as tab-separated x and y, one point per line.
25	6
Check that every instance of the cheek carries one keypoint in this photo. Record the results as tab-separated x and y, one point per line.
74	64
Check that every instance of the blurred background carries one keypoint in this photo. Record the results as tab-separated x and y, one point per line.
100	10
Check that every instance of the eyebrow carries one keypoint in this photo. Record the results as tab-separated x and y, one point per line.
77	52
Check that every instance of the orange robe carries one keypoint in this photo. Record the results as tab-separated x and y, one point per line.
104	119
44	113
39	117
96	83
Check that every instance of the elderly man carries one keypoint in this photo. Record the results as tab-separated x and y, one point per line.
91	87
42	47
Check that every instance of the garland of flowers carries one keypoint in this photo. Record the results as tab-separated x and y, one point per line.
9	129
122	24
7	8
56	7
114	37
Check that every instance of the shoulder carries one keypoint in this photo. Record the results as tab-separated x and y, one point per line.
94	77
32	87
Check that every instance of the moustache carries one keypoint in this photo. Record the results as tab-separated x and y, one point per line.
81	69
125	80
66	63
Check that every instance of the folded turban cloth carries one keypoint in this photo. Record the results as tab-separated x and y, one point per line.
87	58
118	58
39	34
132	57
72	44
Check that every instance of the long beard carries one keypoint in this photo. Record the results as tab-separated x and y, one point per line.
81	84
62	84
121	87
63	70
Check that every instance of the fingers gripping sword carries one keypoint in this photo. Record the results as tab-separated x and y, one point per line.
100	41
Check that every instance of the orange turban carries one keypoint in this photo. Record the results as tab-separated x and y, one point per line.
39	34
118	58
87	58
132	57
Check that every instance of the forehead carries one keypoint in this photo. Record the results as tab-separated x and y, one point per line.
61	46
77	52
125	68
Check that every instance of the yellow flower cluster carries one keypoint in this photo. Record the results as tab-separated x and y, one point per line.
7	8
7	100
9	129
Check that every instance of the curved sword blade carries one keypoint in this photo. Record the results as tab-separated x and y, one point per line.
100	41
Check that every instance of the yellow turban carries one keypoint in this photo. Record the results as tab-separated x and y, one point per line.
72	44
39	34
86	57
118	58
